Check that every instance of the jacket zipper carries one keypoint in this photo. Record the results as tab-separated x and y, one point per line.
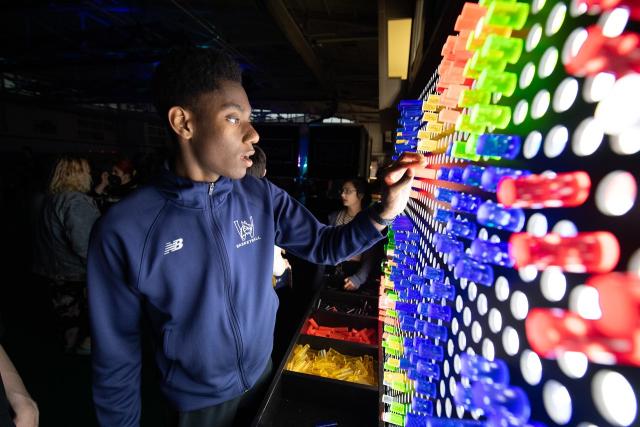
234	319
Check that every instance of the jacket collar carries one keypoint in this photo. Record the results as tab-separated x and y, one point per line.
193	194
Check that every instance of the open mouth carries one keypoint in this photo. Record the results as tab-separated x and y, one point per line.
247	159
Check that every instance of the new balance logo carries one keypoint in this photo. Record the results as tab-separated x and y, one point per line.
176	245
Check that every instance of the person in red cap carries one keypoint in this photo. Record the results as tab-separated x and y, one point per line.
116	185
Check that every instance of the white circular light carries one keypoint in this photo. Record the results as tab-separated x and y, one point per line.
557	402
466	316
634	263
531	367
519	305
460	411
520	111
587	137
614	398
473	291
451	348
457	364
616	193
532	144
537	225
438	408
548	62
446	368
614	22
555	19
528	273
585	301
573	44
495	320
459	303
533	38
527	75
502	288
454	326
565	228
627	142
488	351
510	341
565	95
553	284
618	110
476	331
573	363
537	5
540	104
483	305
577	8
556	141
443	389
597	87
448	407
462	341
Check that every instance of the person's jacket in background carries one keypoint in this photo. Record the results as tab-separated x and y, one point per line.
196	259
62	236
368	259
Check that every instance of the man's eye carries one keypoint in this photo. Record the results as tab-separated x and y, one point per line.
233	120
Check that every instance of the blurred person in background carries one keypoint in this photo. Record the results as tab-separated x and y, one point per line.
355	272
60	253
116	185
281	266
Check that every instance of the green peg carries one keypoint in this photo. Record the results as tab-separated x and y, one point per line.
460	151
496	81
471	97
507	14
399	408
499	47
497	116
465	124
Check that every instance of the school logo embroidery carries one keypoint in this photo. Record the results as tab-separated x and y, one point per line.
176	245
246	231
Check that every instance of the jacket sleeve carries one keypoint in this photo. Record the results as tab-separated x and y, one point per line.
298	231
79	216
115	312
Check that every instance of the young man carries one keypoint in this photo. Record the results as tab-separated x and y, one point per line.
193	254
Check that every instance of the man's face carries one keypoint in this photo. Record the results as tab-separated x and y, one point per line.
223	136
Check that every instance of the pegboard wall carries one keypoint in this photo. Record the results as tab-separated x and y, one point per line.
511	289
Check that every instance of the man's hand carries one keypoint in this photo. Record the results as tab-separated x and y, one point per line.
398	177
25	409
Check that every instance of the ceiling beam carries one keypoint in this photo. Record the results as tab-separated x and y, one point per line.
287	24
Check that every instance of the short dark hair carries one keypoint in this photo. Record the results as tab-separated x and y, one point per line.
259	166
186	73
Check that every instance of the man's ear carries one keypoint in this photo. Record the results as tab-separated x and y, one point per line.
181	121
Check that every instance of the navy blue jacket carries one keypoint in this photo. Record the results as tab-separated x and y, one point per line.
196	259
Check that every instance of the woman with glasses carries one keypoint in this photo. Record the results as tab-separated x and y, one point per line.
354	272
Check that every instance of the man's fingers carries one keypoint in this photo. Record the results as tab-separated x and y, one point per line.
397	170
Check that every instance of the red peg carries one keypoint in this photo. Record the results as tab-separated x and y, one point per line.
619	298
551	332
546	190
597	6
596	252
618	55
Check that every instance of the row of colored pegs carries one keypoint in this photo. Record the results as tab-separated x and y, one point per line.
487	388
344	333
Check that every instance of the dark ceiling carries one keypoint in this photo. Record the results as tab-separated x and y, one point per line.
312	56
